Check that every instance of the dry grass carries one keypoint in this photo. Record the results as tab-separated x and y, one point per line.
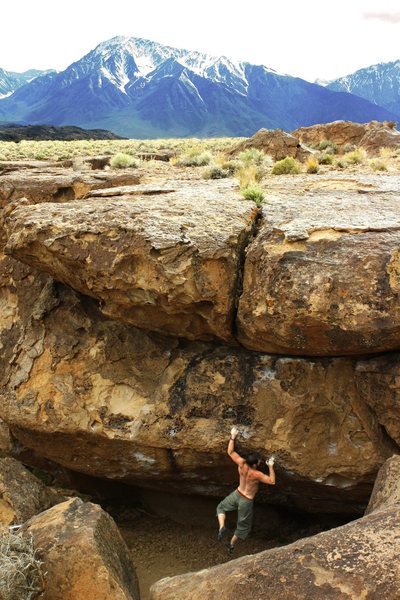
20	568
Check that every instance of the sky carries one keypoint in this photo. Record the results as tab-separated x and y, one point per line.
309	39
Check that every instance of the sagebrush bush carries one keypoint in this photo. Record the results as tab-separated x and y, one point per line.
248	176
378	165
195	159
252	156
312	165
123	161
348	148
325	159
341	163
253	192
215	172
286	166
328	146
357	157
21	575
232	166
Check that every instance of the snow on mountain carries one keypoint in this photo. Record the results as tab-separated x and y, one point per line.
379	84
10	81
139	88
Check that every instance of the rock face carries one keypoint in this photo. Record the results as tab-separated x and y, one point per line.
322	275
275	142
358	560
378	382
168	262
84	555
57	185
22	495
107	400
371	136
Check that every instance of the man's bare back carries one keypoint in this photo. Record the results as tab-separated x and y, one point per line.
248	481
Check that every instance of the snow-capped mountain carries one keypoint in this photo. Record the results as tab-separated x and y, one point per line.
139	88
10	81
379	84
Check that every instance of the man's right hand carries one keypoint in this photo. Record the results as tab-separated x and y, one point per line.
234	433
270	462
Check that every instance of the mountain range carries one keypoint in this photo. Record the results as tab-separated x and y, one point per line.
139	88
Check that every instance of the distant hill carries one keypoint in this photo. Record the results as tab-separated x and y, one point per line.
139	88
10	81
16	133
379	84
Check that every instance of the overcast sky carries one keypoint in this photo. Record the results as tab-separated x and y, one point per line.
309	39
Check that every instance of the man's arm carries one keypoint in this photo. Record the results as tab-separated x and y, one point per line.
268	479
231	448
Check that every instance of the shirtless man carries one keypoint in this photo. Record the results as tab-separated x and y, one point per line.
242	498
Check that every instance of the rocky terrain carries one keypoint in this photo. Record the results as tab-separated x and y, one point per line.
144	312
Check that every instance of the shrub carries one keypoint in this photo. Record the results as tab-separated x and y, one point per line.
340	163
248	176
325	159
385	152
252	156
195	159
122	161
215	172
232	166
378	165
254	193
286	166
328	146
357	157
20	569
348	148
312	165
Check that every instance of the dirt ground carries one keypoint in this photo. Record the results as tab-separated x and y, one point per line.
162	548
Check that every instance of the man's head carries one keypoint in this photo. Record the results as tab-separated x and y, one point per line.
253	459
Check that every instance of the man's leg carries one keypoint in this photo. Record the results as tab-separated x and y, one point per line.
229	503
244	523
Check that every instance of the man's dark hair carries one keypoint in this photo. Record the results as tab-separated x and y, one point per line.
252	458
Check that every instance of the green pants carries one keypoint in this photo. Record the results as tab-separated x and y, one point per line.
236	501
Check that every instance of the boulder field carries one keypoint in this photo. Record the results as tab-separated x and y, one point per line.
138	324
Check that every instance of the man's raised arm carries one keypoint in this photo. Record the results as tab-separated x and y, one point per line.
231	448
268	479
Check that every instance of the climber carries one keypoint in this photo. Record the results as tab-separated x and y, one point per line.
242	498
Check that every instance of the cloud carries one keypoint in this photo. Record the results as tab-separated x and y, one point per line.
387	17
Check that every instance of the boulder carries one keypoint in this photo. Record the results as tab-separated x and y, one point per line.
338	132
83	554
165	262
56	184
275	142
371	136
380	135
107	400
378	382
162	155
22	495
358	560
322	276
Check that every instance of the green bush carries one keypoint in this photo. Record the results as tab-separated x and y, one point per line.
348	148
252	156
286	166
232	166
328	146
357	157
325	159
254	193
378	165
340	163
122	161
215	172
195	159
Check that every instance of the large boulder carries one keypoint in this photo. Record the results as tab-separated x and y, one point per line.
167	262
57	185
338	132
275	142
97	397
358	560
322	276
371	136
83	554
22	495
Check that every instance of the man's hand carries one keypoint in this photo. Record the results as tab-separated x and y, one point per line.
234	433
270	462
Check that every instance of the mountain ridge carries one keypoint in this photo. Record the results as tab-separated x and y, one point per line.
139	88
